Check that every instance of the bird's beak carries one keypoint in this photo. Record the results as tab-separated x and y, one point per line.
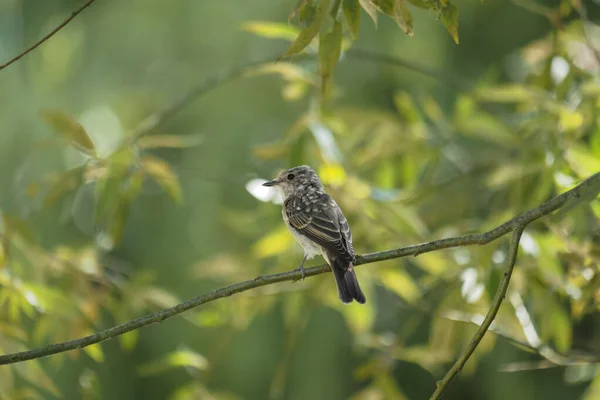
270	183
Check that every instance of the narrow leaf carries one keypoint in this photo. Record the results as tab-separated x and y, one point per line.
71	130
330	48
403	17
272	30
385	6
297	8
162	173
308	34
181	358
351	10
426	4
450	20
370	9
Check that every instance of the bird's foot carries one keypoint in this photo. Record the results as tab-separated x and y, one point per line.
302	271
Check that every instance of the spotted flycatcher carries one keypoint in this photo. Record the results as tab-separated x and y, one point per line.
318	225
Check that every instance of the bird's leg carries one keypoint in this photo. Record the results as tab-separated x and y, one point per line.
301	267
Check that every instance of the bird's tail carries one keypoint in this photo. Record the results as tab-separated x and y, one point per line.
347	284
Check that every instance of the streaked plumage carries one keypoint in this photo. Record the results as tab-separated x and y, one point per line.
319	226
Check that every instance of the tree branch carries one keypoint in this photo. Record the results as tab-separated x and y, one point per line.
48	36
583	190
495	306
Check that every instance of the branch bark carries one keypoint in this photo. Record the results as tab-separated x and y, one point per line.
581	191
48	36
489	318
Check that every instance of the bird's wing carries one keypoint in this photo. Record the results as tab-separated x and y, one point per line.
323	223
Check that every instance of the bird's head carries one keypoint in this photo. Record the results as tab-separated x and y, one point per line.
295	179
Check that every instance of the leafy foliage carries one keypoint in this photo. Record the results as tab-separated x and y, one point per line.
409	167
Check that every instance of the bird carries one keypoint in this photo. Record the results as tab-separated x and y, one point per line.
319	226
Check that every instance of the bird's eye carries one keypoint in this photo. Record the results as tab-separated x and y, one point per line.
290	177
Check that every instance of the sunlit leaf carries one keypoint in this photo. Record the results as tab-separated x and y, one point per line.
592	392
176	359
450	20
403	17
170	141
401	283
162	173
95	352
370	9
273	244
509	93
287	70
561	328
332	174
307	34
570	120
71	130
582	161
295	91
129	340
351	10
272	30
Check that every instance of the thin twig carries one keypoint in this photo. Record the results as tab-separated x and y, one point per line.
592	184
155	120
489	318
444	77
48	36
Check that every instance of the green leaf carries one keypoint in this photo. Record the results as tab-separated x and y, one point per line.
330	48
108	186
273	244
181	358
162	173
351	10
71	130
170	141
510	93
370	9
403	17
450	20
401	283
300	5
385	6
308	34
425	4
95	352
129	340
398	11
272	30
107	194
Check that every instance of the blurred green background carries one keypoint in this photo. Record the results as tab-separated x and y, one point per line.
467	137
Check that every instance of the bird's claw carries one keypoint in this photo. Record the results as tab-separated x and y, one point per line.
302	271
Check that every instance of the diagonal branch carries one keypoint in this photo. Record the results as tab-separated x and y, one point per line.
581	191
48	36
489	318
